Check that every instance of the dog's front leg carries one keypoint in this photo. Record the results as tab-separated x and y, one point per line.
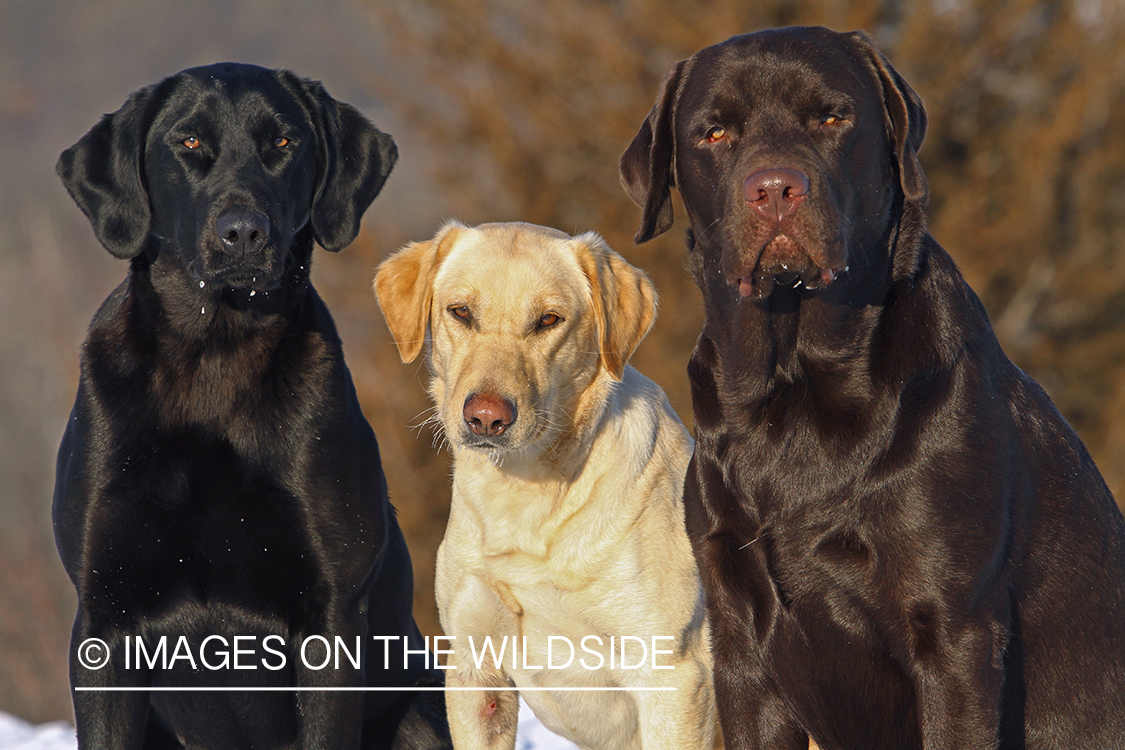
330	719
110	720
482	713
480	718
682	717
959	684
752	714
329	714
105	719
742	608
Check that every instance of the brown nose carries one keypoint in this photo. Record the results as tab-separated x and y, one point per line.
488	414
776	193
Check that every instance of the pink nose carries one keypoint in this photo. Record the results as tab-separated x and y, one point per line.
776	193
488	414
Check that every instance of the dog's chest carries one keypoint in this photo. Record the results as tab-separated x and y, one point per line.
190	522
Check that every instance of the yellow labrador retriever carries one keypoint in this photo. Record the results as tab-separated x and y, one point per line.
565	563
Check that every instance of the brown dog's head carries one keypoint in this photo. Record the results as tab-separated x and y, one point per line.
791	149
520	324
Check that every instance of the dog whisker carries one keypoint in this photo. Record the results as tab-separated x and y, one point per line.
431	415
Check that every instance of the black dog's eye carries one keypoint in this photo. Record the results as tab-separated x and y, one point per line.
192	142
548	320
281	142
462	313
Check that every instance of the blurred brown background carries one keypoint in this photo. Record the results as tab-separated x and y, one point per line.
509	110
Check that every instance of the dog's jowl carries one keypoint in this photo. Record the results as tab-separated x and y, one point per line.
220	504
902	542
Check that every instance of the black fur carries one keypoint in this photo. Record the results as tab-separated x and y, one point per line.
902	542
217	476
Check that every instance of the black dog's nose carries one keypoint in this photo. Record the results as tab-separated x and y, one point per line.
776	193
489	414
243	231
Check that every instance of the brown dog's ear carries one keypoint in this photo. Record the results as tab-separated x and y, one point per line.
624	303
647	168
907	119
404	286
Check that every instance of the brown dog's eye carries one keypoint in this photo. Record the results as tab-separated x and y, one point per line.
832	120
714	135
192	142
548	320
461	312
281	142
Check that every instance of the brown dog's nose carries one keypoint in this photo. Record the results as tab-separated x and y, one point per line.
776	193
489	414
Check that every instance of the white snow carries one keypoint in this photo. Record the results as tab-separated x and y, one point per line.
16	734
532	735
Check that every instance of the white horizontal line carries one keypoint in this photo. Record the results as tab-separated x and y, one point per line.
413	689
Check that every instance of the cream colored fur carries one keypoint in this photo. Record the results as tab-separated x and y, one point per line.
571	522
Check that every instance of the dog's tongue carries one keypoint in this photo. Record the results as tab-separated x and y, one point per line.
756	286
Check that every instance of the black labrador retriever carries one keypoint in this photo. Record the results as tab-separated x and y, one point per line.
220	505
902	542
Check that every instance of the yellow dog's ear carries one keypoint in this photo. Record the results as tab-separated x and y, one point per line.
624	301
404	286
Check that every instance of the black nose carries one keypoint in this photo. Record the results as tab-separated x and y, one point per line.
243	231
776	193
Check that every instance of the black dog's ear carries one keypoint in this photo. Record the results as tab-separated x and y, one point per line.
103	174
355	160
647	171
907	121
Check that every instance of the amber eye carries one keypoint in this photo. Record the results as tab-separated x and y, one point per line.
715	134
192	142
461	312
549	320
832	120
281	142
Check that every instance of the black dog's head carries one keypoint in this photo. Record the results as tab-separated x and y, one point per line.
791	149
224	166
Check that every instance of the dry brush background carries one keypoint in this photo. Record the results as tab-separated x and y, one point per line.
508	110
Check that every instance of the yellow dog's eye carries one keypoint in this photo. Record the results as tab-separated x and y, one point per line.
548	320
461	312
192	142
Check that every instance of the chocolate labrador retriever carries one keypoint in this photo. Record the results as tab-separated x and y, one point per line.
219	504
903	544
